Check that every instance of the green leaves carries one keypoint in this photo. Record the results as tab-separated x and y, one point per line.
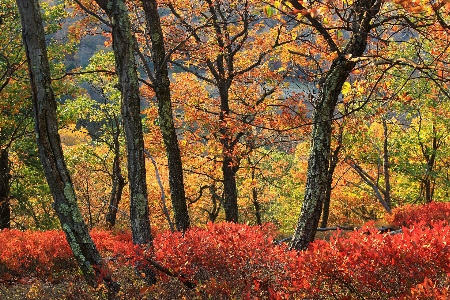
270	10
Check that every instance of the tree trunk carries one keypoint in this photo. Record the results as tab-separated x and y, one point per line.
49	145
325	105
162	90
386	166
5	176
428	181
257	206
118	183
123	45
255	197
230	166
327	201
216	201
229	189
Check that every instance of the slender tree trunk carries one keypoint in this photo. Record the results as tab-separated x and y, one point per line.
49	145
325	105
327	201
118	183
255	197
162	90
257	206
123	45
5	177
386	165
216	201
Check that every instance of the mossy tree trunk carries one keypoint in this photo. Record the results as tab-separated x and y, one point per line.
330	87
123	45
49	144
161	86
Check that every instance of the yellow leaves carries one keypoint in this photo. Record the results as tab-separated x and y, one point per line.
71	136
346	88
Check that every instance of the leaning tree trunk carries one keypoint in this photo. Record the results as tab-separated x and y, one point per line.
324	108
5	176
123	45
161	85
49	145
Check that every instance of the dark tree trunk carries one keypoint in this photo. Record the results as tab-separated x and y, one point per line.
255	197
325	105
118	183
327	200
5	177
123	45
428	180
161	85
216	201
257	206
230	164
230	205
49	144
386	166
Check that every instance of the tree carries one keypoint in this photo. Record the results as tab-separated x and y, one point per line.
226	50
124	45
341	33
84	112
15	120
161	86
50	150
324	109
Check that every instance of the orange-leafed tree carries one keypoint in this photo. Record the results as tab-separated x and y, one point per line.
228	48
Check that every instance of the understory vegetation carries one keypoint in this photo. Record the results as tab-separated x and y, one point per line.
235	261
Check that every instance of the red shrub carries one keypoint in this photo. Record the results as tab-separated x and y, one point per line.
428	213
37	252
230	260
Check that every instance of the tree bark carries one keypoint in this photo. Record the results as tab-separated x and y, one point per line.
49	145
428	180
327	200
230	163
161	85
123	45
5	177
386	166
118	183
230	205
325	105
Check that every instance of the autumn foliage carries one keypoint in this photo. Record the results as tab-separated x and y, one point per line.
232	260
407	215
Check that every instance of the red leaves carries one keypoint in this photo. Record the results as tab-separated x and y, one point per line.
227	260
410	214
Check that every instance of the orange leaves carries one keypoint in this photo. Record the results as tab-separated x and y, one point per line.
313	12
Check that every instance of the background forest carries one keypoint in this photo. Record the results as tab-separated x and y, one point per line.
176	116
